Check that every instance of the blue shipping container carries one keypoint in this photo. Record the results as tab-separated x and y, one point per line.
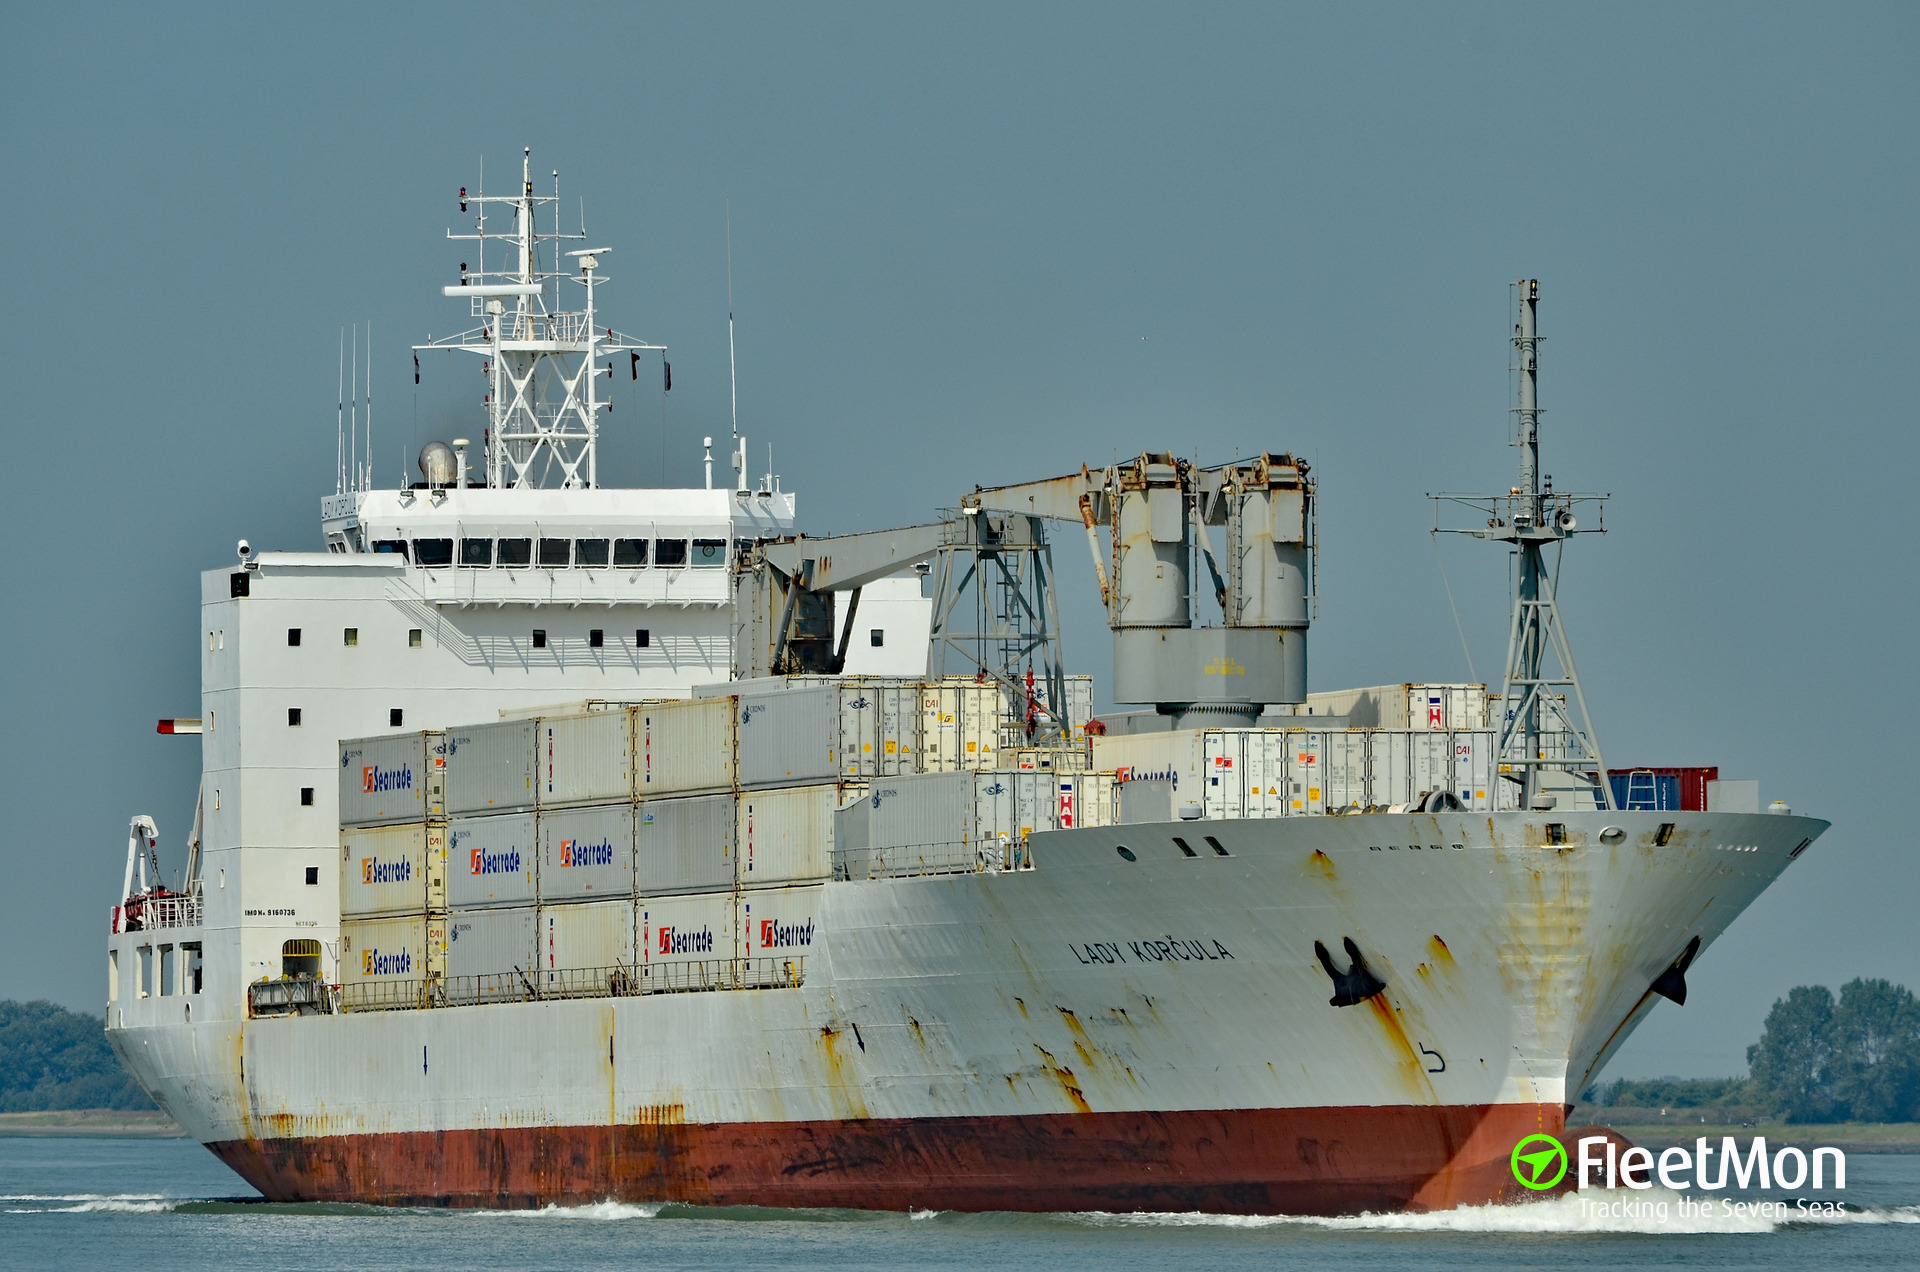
1645	792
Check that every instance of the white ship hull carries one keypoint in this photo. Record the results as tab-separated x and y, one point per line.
1093	1033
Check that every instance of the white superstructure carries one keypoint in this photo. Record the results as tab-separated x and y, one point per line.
475	592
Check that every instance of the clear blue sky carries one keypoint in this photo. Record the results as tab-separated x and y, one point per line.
990	242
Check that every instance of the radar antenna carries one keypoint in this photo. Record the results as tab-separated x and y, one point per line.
540	361
1542	748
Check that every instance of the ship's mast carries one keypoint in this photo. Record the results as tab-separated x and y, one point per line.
1538	734
541	361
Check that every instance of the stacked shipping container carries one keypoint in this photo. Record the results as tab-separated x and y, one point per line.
393	867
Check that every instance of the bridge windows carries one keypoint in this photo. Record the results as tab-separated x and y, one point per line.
516	552
398	547
709	552
476	553
190	967
590	552
431	552
553	552
670	552
629	553
169	985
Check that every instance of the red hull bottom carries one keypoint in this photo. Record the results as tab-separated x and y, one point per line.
1235	1161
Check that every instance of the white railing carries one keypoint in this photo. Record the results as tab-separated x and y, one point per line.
148	914
590	982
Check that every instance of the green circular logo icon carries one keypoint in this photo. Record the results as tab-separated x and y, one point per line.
1534	1157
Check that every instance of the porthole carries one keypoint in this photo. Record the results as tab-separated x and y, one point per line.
1125	852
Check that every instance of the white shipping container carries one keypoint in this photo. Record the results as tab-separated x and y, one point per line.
490	768
684	845
780	923
584	759
393	869
687	942
389	951
1404	706
1177	756
595	936
788	737
492	943
959	725
395	778
785	835
586	853
492	861
683	748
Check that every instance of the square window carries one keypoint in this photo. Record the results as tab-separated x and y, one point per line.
554	552
306	797
596	638
351	636
476	553
293	717
641	637
313	876
394	717
670	552
413	638
516	551
629	553
590	551
293	636
877	637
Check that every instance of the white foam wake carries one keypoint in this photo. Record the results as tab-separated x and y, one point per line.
596	1210
1595	1211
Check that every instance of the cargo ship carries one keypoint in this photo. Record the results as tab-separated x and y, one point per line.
558	842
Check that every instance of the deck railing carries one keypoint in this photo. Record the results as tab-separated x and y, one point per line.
591	982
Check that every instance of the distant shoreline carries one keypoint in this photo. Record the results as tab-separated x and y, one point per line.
1683	1126
101	1123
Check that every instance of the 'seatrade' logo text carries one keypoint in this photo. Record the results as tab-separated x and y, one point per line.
373	778
374	870
574	852
482	862
374	963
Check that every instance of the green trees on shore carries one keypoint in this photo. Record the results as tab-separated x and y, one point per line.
52	1058
1856	1059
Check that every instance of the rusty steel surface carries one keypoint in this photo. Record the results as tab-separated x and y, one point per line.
1096	1016
1233	1161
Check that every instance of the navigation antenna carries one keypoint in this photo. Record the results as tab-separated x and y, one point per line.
733	378
540	360
1541	749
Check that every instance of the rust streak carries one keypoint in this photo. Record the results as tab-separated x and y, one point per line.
1409	1059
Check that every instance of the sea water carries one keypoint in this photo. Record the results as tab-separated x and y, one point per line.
159	1205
